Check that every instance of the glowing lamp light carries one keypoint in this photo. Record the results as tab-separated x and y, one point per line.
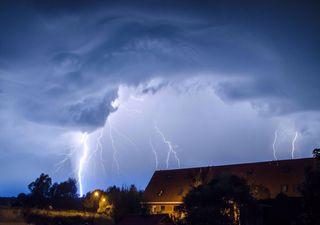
96	194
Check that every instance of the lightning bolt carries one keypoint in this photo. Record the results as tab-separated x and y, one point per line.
99	149
170	147
274	144
293	144
124	137
115	150
82	161
67	157
154	152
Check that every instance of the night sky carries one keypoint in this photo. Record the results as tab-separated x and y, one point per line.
216	82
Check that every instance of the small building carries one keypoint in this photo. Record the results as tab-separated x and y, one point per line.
160	219
167	188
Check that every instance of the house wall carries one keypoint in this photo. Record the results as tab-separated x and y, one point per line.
166	208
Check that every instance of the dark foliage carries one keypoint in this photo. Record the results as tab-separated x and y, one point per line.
45	195
40	191
215	202
125	201
311	193
91	202
282	210
64	195
42	220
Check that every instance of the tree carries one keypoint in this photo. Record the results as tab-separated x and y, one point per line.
40	190
66	189
125	201
64	194
92	199
311	193
219	202
316	153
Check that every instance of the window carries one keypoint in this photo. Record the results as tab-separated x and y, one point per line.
160	193
154	208
176	208
284	188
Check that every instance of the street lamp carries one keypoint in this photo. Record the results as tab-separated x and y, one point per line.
96	194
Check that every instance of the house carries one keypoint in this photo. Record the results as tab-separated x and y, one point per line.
160	219
166	189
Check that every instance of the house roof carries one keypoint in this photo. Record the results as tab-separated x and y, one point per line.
160	219
170	186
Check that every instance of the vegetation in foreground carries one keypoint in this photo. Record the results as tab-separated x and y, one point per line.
59	203
226	200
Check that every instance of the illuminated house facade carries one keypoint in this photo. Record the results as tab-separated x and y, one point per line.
167	188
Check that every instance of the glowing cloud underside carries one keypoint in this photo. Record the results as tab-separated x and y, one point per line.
82	161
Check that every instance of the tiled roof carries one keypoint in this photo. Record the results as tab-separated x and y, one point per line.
170	186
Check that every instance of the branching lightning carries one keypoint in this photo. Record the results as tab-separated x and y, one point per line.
124	137
274	145
115	150
293	144
154	152
99	149
67	157
82	161
170	148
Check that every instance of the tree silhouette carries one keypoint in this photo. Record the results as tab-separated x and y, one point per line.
219	202
40	191
63	195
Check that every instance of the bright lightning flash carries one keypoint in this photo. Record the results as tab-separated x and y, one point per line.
154	152
170	146
99	149
82	161
293	144
274	144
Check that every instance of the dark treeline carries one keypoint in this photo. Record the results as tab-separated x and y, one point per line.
114	202
44	194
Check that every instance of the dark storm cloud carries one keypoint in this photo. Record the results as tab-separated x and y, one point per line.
61	62
67	62
90	112
77	45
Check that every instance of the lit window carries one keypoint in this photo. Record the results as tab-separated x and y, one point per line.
154	208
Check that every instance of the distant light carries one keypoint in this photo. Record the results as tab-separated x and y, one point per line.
103	199
96	193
